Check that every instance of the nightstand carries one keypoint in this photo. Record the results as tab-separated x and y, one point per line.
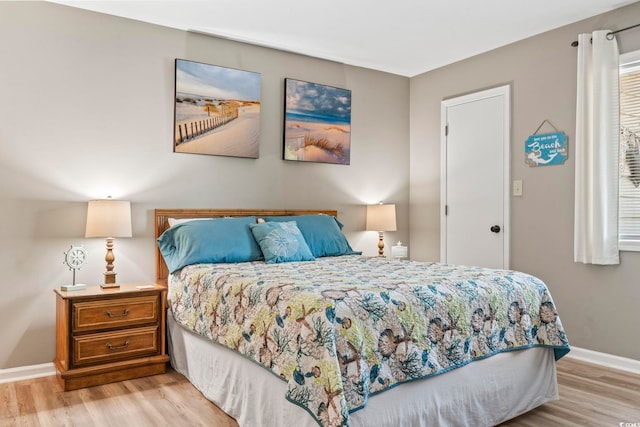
108	335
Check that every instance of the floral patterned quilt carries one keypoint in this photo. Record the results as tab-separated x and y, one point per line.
340	329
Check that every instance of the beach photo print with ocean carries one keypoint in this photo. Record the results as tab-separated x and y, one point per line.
317	123
217	110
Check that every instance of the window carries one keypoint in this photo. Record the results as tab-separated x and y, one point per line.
629	181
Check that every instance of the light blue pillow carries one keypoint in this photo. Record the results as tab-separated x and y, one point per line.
281	242
322	233
218	240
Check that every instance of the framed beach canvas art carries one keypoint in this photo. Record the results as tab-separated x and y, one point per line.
317	123
217	110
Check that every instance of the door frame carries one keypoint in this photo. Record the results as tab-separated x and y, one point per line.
505	93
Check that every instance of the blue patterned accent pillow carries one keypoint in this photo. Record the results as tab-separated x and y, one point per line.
219	240
322	233
281	242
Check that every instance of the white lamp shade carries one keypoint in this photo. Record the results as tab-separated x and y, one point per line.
108	218
381	218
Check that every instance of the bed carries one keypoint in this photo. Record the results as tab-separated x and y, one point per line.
322	335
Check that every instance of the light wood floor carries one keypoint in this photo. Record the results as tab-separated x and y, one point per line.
589	396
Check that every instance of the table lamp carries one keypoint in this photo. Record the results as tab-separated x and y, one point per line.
381	218
109	218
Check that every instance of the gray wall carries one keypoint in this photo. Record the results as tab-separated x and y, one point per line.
87	111
598	305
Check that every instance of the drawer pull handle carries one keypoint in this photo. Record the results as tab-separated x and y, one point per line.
124	313
119	347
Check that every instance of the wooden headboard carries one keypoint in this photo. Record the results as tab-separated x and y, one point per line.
162	223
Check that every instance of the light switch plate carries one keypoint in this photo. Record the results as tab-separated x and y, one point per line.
517	187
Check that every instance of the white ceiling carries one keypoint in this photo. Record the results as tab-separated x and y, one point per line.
405	37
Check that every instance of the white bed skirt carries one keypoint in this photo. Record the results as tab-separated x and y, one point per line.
483	393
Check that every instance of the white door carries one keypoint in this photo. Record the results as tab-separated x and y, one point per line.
475	179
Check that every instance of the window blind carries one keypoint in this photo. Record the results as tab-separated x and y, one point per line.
629	182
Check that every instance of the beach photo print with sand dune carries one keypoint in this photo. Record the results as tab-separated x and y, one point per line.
317	123
217	110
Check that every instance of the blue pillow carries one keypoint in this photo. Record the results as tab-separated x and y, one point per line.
321	232
281	242
218	240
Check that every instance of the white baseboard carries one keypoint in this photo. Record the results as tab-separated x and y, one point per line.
26	372
608	360
616	362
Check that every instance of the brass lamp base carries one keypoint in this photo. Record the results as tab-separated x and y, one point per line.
380	243
110	278
109	275
109	281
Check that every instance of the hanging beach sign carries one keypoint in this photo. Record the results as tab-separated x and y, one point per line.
546	149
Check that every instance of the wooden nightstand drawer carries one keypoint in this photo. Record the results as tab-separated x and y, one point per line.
114	313
116	345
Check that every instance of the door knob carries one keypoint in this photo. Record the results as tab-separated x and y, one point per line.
495	229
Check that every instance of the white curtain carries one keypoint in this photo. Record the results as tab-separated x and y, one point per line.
597	145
